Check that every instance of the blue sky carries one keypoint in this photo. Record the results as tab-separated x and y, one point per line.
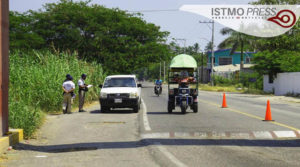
179	24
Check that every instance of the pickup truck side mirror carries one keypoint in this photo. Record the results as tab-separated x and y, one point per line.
139	85
100	86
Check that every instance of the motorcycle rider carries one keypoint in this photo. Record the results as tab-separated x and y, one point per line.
158	82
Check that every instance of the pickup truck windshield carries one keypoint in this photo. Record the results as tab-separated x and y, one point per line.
119	82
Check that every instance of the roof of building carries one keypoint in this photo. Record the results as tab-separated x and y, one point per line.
220	50
223	50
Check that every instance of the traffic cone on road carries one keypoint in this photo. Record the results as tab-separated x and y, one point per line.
268	112
224	104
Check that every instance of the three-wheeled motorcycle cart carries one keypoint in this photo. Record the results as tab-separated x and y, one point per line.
183	84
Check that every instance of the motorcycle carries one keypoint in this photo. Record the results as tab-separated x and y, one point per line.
157	89
184	99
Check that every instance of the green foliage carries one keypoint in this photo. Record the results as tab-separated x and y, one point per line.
276	54
220	88
36	85
240	80
24	117
219	80
281	53
245	77
153	71
279	60
120	41
21	34
290	61
267	62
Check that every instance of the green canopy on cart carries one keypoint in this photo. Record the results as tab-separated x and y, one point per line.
183	61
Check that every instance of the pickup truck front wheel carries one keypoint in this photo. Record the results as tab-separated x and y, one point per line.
104	109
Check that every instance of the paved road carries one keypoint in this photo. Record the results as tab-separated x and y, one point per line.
235	136
90	139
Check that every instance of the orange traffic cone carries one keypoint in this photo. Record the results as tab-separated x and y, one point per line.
268	112
224	104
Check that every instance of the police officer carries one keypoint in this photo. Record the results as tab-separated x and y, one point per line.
68	88
82	89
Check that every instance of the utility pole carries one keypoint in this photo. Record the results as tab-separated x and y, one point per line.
212	49
160	70
164	71
4	47
202	68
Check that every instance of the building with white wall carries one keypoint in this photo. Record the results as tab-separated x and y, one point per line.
283	84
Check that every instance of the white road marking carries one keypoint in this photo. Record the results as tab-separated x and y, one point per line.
169	155
233	135
282	134
200	134
41	156
262	135
145	117
182	134
240	135
155	135
218	134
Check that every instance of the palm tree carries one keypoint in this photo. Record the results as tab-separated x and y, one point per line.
196	48
208	47
235	39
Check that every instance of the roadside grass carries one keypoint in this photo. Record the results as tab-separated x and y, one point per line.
220	88
36	85
256	92
231	88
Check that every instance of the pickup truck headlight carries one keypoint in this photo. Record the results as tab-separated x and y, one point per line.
133	95
103	95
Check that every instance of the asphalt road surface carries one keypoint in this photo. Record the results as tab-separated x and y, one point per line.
215	136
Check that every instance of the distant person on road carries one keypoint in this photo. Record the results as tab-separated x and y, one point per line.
158	82
68	87
82	89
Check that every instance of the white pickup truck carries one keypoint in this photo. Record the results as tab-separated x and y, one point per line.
120	91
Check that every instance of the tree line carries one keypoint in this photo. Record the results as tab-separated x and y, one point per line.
120	41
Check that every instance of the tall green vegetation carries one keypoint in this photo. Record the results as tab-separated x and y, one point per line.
36	85
103	39
279	54
276	54
122	42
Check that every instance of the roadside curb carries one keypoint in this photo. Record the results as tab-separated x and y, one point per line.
271	135
13	137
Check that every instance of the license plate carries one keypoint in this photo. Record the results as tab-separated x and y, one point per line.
118	100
